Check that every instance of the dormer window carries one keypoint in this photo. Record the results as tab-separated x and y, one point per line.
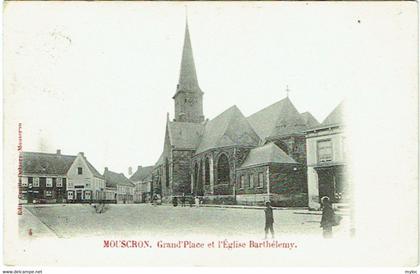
79	171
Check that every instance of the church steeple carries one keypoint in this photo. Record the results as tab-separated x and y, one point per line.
188	97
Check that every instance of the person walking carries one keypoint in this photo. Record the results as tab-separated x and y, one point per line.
328	218
269	220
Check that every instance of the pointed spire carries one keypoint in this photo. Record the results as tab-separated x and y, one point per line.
188	76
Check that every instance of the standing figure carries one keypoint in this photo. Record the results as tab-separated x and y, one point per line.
269	219
183	200
328	217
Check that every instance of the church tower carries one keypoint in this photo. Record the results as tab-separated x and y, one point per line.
188	97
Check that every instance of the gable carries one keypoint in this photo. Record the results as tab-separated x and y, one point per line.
267	154
281	118
336	116
88	170
79	162
230	128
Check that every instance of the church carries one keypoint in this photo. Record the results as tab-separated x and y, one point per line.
231	159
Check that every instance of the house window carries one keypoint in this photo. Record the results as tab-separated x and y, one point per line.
79	171
251	181
70	195
54	181
324	151
30	181
59	182
49	182
70	184
24	181
48	193
64	180
36	182
42	181
242	182
260	179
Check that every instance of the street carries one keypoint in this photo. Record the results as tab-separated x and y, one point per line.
70	220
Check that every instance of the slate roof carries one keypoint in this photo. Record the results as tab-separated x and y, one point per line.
269	153
187	76
142	173
46	163
93	170
230	128
183	135
309	119
281	118
335	117
112	179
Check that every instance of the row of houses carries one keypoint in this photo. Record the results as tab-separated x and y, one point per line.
59	178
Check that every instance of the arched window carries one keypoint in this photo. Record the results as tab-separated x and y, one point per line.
207	171
198	181
223	170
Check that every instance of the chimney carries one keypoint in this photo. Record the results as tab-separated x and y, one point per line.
130	171
139	167
58	151
82	153
106	169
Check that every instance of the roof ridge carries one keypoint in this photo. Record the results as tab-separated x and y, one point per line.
271	105
47	153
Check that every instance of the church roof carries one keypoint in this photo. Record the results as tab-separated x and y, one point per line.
335	117
309	119
230	128
280	118
184	135
112	179
142	173
187	76
46	163
267	154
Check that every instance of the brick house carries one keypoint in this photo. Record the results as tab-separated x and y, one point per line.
269	174
44	176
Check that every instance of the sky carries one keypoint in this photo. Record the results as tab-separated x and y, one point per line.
99	77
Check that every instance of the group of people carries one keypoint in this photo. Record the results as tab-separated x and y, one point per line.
186	199
328	219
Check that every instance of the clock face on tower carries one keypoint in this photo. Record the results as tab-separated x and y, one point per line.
191	101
